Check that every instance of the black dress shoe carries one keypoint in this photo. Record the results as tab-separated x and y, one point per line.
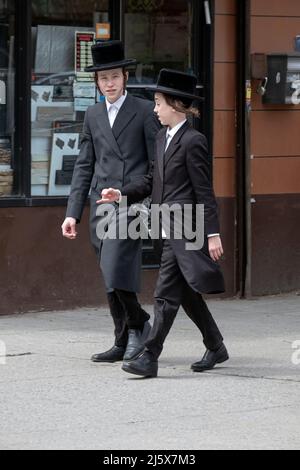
210	359
115	354
145	365
136	342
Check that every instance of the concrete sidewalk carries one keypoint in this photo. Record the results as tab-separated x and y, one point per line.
53	397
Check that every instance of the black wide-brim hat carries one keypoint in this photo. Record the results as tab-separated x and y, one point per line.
109	55
175	83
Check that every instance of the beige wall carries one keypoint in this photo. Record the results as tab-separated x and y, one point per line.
225	98
274	129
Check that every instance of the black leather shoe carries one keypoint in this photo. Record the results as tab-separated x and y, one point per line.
210	359
115	354
145	365
136	342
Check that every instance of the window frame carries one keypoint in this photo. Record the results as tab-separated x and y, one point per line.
22	102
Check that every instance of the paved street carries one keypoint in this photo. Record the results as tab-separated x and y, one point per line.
53	397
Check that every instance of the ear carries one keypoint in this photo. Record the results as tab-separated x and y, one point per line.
126	77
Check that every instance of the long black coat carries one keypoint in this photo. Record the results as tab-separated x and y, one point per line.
114	157
182	175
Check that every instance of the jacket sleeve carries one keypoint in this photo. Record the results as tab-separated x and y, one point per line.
83	173
200	175
138	190
142	187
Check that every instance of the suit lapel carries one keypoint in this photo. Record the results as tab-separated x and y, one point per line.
175	142
124	116
161	144
106	129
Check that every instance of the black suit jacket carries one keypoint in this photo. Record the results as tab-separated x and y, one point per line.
114	157
182	176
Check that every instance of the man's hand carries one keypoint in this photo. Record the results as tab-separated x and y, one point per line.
215	247
69	228
109	195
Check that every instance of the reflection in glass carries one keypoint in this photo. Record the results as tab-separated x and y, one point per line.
157	34
62	34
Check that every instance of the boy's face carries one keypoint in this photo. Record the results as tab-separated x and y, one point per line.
112	83
165	112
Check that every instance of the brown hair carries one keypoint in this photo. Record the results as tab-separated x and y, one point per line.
182	105
97	85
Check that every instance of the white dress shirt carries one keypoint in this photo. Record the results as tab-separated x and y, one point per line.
114	108
171	133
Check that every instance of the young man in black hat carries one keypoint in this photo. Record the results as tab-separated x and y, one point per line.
181	176
117	148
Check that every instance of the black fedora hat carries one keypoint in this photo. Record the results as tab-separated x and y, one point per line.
109	55
175	83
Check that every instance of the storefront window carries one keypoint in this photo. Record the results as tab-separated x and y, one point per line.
7	22
158	34
62	33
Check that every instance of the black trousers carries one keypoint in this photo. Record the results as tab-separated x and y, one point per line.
127	313
172	291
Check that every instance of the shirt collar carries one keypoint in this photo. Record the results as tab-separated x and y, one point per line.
174	130
117	103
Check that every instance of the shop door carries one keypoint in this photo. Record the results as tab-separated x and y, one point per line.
173	34
157	33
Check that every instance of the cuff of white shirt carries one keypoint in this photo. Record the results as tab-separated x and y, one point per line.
120	196
213	235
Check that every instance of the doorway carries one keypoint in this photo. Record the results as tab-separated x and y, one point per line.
174	34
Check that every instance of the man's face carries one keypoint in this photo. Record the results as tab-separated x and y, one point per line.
112	83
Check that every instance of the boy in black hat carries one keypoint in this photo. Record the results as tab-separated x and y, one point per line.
117	147
181	176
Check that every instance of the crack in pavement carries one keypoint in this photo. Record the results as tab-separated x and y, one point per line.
18	355
274	379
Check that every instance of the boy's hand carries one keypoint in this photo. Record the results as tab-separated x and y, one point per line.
109	195
215	247
69	228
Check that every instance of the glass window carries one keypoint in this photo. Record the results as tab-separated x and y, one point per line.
158	34
7	24
62	34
